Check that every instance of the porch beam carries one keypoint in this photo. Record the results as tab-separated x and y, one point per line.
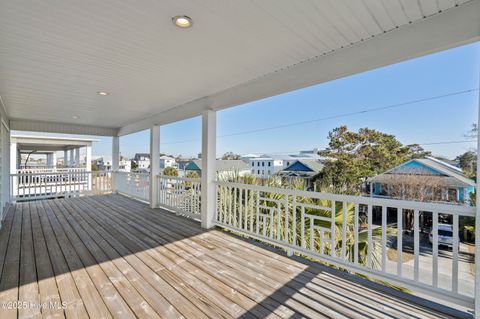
442	31
154	163
209	149
65	128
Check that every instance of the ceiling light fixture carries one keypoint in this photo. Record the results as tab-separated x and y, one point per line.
74	117
182	21
102	93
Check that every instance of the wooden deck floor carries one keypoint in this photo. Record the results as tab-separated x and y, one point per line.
109	256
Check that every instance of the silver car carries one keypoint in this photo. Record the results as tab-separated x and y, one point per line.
445	235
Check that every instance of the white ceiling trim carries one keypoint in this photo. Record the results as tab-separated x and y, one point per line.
65	128
448	29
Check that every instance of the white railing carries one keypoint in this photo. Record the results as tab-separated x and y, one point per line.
26	185
136	185
180	194
360	234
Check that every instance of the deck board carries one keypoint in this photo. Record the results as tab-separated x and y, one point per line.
113	257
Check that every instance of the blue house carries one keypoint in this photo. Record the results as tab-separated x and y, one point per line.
452	185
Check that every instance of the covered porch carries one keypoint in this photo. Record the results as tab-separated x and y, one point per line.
111	256
116	68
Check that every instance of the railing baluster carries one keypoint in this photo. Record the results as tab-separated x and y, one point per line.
257	209
344	230
435	249
355	234
312	248
384	238
302	227
399	240
370	241
333	226
416	245
455	246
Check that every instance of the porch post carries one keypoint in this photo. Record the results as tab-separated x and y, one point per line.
209	191
154	163
13	169
65	158
115	160
477	222
88	165
77	157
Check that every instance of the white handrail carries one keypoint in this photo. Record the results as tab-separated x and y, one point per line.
29	186
363	234
180	194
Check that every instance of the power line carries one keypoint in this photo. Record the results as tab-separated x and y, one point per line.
448	142
369	110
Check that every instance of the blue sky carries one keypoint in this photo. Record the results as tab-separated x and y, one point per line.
437	120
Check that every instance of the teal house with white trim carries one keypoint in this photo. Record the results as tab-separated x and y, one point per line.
455	186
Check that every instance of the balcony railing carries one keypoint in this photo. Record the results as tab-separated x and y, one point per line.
359	234
180	194
136	185
27	185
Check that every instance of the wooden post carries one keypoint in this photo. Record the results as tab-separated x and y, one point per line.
209	191
154	164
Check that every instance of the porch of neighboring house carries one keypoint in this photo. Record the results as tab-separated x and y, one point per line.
111	256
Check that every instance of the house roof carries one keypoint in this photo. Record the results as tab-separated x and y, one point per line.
308	167
451	175
221	165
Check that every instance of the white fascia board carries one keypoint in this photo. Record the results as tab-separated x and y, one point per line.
65	128
451	28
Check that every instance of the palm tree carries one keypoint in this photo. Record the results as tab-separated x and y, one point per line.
279	203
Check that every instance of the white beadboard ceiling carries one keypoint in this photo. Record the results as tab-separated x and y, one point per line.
56	54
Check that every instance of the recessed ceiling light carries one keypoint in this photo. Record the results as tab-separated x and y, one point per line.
182	21
102	93
74	117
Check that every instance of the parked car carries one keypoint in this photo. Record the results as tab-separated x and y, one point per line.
445	235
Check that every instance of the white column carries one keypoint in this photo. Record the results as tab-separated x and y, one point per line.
209	146
49	159
71	162
477	222
88	165
6	166
65	158
115	160
77	157
54	159
13	169
154	163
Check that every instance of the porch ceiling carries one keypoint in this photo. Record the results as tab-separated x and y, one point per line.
55	55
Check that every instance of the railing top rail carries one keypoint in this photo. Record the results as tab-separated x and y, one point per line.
23	174
388	202
132	173
186	179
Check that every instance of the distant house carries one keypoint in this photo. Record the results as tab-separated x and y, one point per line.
142	160
104	163
222	166
267	165
306	169
425	179
167	161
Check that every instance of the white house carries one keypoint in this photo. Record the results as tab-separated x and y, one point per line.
142	160
167	161
267	165
104	163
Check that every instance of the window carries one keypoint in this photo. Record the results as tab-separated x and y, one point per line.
269	164
258	163
258	172
288	163
253	171
268	172
263	163
253	163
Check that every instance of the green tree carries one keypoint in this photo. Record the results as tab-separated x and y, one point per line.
230	156
94	166
170	171
192	174
352	157
468	163
133	164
